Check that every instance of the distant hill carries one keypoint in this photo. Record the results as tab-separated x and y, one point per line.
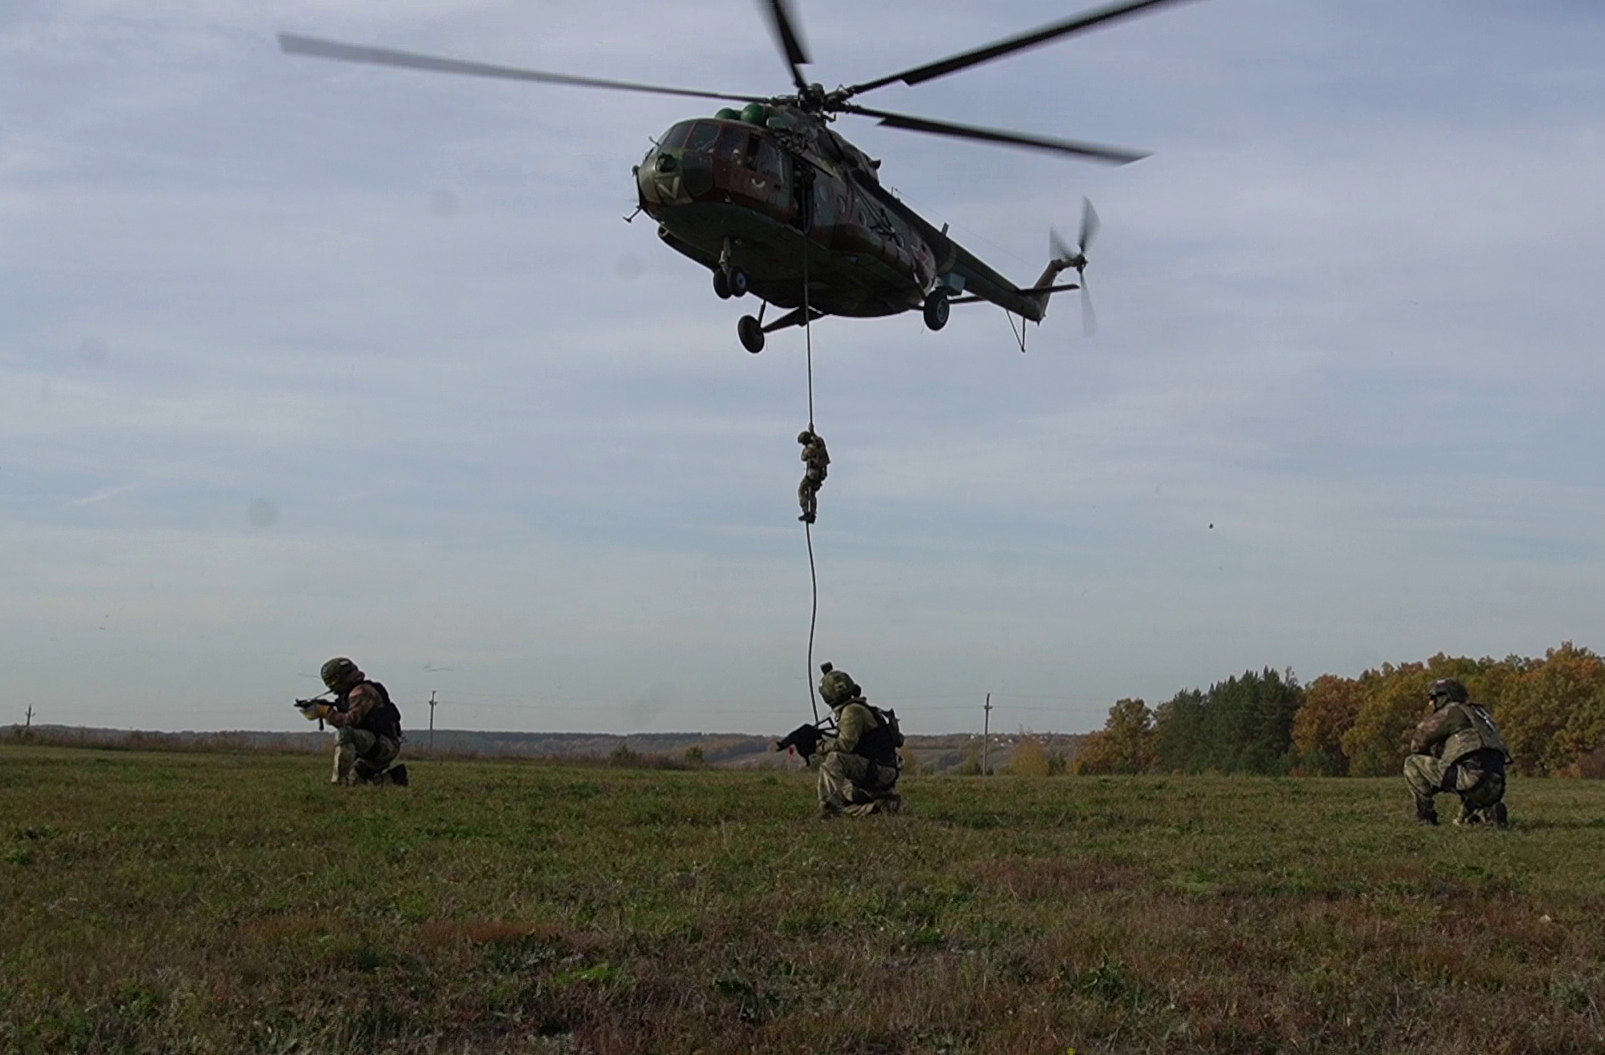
934	754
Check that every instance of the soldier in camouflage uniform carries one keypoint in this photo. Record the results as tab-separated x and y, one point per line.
817	462
860	765
1457	748
368	726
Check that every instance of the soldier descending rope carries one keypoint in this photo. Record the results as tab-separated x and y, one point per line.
817	462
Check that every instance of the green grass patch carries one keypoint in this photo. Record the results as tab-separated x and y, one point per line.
192	903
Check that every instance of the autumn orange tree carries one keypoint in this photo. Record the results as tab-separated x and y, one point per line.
1124	745
1330	706
1553	712
1030	757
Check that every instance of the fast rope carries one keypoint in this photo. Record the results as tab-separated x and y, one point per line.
808	528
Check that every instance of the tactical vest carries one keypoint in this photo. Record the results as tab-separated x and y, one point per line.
383	720
1481	734
880	744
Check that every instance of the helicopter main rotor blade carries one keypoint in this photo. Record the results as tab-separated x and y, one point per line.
1042	35
784	25
1094	151
295	44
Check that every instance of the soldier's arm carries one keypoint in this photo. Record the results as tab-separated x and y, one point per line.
363	699
853	722
1434	729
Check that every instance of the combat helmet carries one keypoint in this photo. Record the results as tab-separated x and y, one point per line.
837	686
340	674
1447	690
806	436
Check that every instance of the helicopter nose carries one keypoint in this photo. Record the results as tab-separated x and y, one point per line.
660	180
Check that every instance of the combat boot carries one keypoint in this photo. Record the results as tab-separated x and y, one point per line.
1425	814
1500	814
398	775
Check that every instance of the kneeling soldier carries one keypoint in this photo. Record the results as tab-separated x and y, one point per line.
368	724
1457	748
858	773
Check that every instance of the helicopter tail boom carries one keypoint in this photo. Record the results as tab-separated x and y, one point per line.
980	282
1045	285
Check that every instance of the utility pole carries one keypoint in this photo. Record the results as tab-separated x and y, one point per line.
431	723
986	732
29	723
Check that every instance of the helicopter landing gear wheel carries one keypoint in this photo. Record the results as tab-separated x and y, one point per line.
736	279
750	330
721	283
936	309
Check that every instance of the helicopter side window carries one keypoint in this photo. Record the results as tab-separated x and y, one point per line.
702	136
675	137
733	144
769	160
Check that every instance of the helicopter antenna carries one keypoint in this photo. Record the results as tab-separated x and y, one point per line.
1019	333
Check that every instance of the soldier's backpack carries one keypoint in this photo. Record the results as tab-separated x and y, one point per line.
889	717
384	719
880	744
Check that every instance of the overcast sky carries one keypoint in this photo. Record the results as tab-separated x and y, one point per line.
300	359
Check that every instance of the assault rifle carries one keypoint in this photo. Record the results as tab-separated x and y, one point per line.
309	708
805	738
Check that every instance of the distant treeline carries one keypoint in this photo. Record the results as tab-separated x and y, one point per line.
929	754
1551	712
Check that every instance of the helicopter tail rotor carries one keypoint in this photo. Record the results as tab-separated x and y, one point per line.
1063	255
1089	225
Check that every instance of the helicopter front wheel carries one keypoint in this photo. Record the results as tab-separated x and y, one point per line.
750	330
936	309
730	282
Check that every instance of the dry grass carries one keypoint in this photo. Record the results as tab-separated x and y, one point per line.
172	903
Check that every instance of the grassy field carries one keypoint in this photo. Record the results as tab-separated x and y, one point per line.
192	902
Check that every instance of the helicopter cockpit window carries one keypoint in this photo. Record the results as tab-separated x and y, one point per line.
675	138
702	136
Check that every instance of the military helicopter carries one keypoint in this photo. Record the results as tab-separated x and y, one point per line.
776	203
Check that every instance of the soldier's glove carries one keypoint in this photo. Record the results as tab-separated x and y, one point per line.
312	710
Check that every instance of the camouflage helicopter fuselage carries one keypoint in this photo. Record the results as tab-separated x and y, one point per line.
771	190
